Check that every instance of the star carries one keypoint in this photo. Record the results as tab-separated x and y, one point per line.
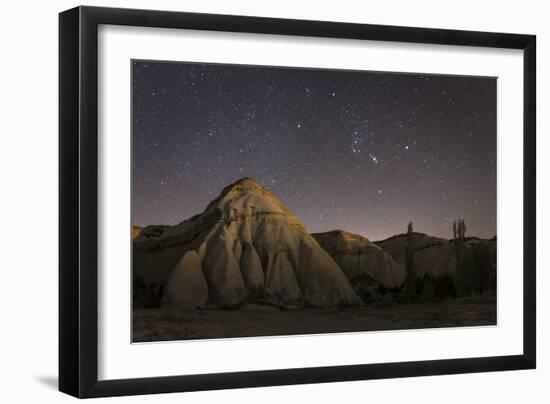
321	145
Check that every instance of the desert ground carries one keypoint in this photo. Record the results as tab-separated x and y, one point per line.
156	324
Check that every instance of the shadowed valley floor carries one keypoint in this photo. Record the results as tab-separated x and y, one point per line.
158	325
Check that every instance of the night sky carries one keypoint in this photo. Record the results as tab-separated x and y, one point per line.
365	152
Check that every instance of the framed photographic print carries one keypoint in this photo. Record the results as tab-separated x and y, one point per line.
250	201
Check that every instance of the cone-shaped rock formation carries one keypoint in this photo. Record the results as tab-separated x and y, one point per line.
248	243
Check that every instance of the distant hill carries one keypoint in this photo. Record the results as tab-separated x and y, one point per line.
397	244
356	255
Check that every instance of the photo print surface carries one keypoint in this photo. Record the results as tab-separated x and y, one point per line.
280	201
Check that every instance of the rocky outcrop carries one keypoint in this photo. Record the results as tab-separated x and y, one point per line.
247	242
186	287
356	255
223	273
251	268
439	274
396	245
435	260
281	280
136	230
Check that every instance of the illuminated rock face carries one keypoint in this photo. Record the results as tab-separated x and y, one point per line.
249	246
356	255
135	231
186	288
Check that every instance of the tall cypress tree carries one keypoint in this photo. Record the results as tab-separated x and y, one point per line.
463	263
410	284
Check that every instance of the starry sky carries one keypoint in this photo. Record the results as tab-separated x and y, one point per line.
365	152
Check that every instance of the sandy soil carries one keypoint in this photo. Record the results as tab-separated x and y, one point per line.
257	320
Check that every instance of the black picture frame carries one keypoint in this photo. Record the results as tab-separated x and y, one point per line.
78	201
